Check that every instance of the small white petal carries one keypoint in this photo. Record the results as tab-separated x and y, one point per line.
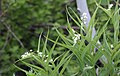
45	61
110	6
111	46
31	50
46	55
85	22
25	55
84	14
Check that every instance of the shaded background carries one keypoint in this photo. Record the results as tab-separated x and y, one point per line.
21	22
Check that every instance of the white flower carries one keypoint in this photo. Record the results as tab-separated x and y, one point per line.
37	51
45	61
111	46
75	38
79	10
49	60
40	54
26	55
85	22
31	50
110	6
84	17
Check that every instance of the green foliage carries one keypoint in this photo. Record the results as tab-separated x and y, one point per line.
84	52
20	25
77	50
44	58
23	20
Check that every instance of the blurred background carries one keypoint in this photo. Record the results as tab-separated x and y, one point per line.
22	21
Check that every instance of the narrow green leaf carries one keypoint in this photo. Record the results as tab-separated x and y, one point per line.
31	65
105	10
65	65
21	69
72	17
63	60
39	42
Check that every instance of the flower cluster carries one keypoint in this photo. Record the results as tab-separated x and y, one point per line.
43	55
40	54
26	55
84	17
76	37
